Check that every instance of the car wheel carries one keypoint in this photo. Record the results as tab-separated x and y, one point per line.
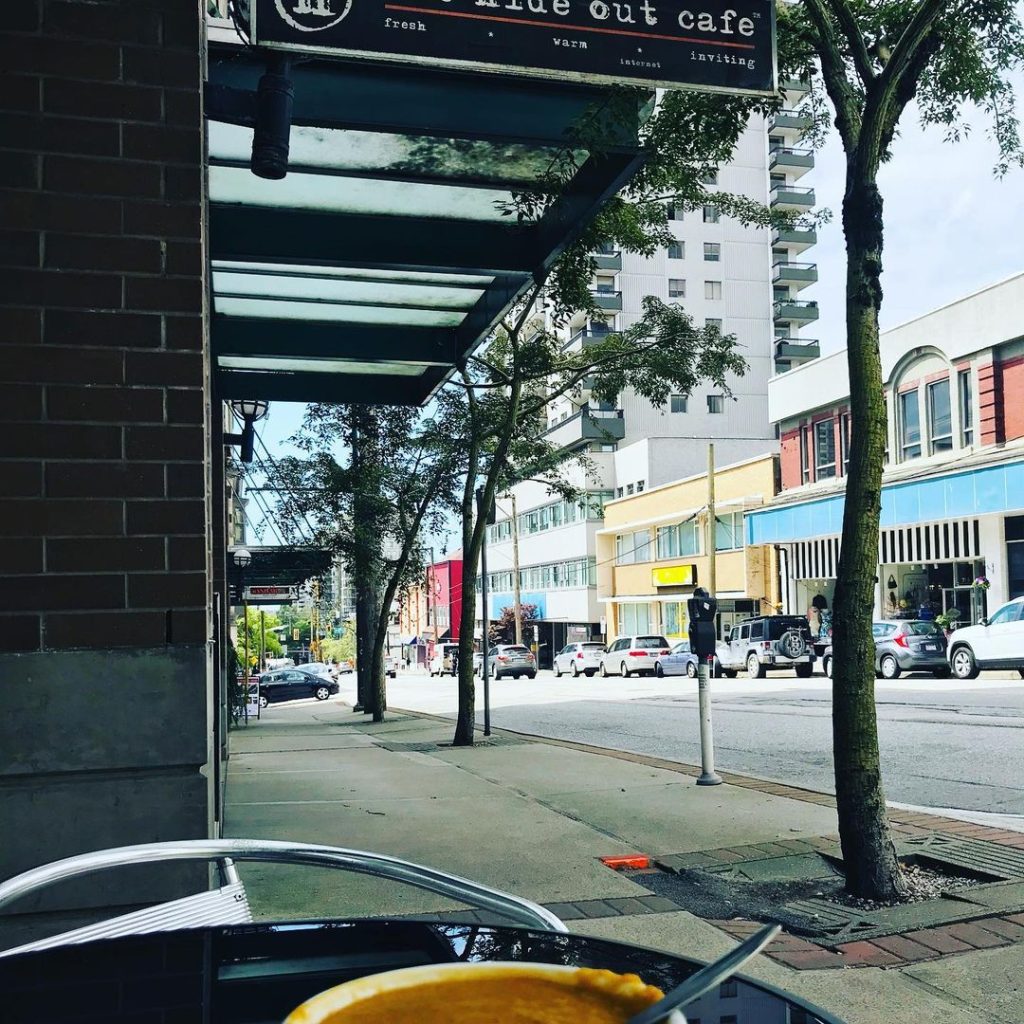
558	671
827	667
691	670
963	664
263	701
322	693
659	671
754	667
729	673
603	670
575	671
890	667
1020	672
532	675
623	671
941	673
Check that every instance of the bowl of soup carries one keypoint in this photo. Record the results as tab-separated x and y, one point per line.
483	993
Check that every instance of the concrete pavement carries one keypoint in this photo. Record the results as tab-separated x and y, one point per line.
533	818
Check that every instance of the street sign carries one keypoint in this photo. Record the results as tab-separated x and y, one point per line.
705	45
271	595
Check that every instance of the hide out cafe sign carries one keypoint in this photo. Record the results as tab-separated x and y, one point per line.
709	45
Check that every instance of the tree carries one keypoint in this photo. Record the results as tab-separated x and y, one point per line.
271	644
368	482
875	58
527	364
503	630
342	649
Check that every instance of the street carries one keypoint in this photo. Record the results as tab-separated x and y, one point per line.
944	745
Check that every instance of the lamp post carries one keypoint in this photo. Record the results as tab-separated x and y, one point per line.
248	410
242	557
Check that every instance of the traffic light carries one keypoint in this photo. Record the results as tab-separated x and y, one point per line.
702	608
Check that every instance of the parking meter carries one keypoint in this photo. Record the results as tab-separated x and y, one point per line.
702	609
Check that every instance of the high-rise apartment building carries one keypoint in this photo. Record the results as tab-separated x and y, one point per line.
748	282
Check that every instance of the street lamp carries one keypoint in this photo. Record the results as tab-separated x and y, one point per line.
248	410
242	558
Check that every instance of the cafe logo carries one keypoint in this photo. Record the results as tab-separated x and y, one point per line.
312	15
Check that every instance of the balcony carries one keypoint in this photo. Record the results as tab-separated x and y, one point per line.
799	275
796	311
604	426
794	351
789	197
791	121
607	299
586	337
799	86
796	161
607	259
797	239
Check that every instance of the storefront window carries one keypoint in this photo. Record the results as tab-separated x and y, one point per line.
910	425
634	618
824	449
673	618
729	531
940	417
1015	555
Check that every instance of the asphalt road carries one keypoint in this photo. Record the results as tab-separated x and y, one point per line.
956	746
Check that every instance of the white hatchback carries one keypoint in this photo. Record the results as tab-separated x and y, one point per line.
581	658
996	642
631	654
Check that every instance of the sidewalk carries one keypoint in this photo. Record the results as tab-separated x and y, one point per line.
534	817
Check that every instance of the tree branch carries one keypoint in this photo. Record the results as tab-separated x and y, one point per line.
855	39
833	71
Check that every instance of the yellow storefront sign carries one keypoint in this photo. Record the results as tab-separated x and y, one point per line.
674	576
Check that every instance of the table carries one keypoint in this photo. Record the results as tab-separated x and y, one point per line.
255	974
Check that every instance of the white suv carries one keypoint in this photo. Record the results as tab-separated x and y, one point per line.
996	642
580	658
631	654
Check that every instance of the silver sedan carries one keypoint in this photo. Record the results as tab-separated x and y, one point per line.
678	662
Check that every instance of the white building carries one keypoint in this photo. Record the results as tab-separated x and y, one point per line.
744	280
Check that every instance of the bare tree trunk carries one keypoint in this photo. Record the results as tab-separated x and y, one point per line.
465	726
869	856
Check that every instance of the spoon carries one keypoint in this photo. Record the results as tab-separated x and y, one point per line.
707	977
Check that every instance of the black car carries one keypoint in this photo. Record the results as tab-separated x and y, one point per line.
291	684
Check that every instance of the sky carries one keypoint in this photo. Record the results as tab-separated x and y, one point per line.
951	228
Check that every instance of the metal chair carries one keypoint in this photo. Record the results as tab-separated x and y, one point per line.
228	903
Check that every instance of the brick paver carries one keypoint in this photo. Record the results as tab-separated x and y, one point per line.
975	936
868	954
905	949
1001	926
939	939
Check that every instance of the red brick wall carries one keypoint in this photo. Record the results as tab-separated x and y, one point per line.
789	458
102	487
990	404
1011	381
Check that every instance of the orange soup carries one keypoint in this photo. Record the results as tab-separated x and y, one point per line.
590	997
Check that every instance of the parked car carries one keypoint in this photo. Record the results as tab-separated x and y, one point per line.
291	684
678	662
996	642
442	662
909	645
511	660
631	654
391	665
580	658
316	668
767	643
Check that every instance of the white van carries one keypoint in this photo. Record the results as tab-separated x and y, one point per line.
441	662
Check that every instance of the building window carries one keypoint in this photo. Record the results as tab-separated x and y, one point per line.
824	449
676	250
844	441
714	322
716	403
629	488
605	284
711	178
712	215
619	492
966	398
639	486
676	288
1014	527
677	403
940	417
712	251
729	531
679	541
712	289
805	455
675	212
910	425
632	547
634	618
728	989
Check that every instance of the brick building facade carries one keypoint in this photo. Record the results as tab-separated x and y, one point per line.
106	554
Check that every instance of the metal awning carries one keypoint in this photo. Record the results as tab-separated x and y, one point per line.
278	566
384	257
